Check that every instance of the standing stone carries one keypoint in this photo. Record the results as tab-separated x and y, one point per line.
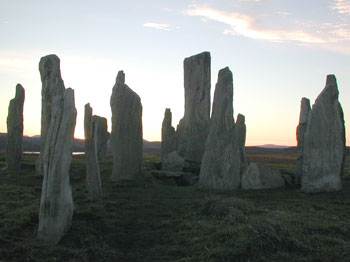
15	130
301	128
52	86
126	136
101	137
56	204
220	167
241	131
324	142
93	181
193	128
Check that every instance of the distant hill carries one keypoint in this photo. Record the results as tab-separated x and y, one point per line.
273	146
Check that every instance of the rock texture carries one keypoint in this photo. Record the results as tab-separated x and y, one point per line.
220	167
301	128
52	86
324	142
126	136
259	176
173	162
169	145
56	204
93	180
101	136
180	178
241	131
15	130
193	128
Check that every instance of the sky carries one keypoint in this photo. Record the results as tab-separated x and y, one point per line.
278	51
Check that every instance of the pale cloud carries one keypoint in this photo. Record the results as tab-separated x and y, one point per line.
158	26
342	6
245	25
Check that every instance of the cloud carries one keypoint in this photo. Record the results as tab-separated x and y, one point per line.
158	26
342	6
245	25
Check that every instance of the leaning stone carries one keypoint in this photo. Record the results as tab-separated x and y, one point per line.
15	130
260	176
241	131
220	167
93	180
56	204
324	142
305	108
126	136
193	128
169	144
52	86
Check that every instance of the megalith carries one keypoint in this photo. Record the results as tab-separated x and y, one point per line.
52	87
301	128
241	131
15	130
93	180
126	135
56	204
102	136
193	128
220	168
324	142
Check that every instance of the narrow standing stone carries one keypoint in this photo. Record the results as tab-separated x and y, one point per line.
169	144
93	180
15	130
102	136
56	204
241	131
220	167
52	86
126	136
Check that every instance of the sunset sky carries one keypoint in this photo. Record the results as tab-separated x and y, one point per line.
278	51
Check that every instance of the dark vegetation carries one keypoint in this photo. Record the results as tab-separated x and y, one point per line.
150	220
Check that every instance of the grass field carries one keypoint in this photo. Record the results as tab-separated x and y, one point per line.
150	220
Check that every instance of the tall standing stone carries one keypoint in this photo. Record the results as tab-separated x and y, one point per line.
56	204
169	144
220	167
126	135
241	131
324	142
194	126
52	86
301	128
93	180
102	136
15	130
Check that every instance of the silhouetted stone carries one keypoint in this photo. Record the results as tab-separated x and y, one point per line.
15	130
101	137
260	176
93	181
324	142
126	136
220	167
193	128
56	204
52	87
241	131
304	113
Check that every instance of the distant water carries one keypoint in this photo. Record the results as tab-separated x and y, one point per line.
37	153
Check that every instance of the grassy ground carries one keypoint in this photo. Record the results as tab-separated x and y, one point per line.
148	220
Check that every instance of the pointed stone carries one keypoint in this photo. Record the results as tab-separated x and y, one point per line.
241	131
52	86
305	108
126	136
169	144
193	128
220	167
93	180
15	130
56	204
324	142
102	136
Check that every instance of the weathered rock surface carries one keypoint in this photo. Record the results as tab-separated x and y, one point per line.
220	167
126	136
241	131
260	176
93	180
169	144
180	178
173	162
301	128
52	86
56	204
101	136
193	128
324	142
15	130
